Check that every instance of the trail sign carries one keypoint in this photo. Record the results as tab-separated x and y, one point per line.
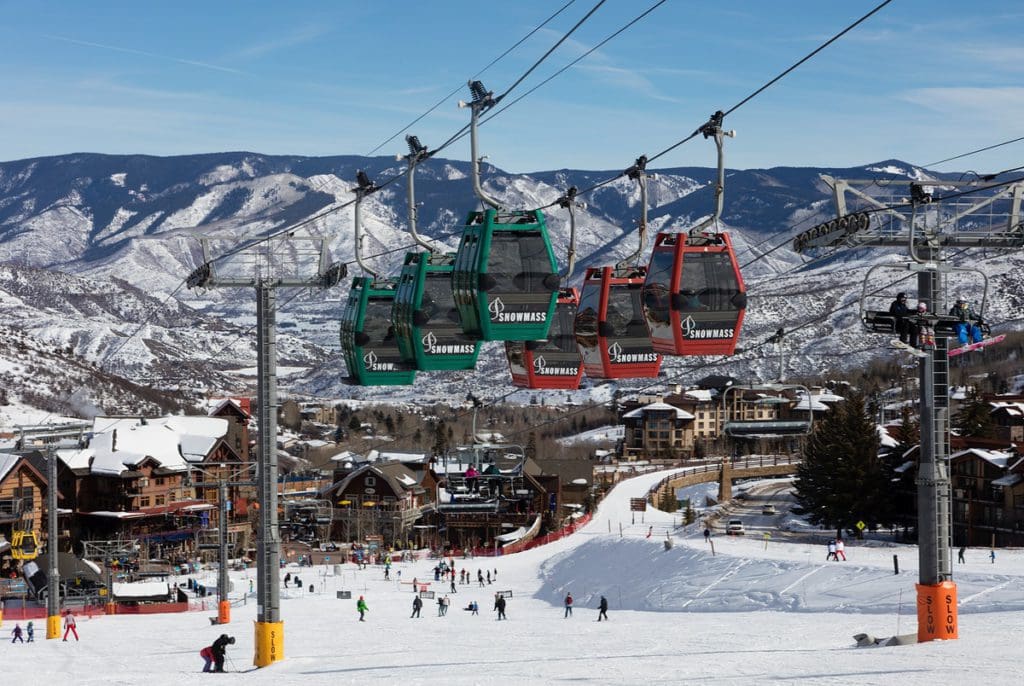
860	525
638	504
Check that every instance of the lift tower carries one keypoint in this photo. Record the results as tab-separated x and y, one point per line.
926	218
283	261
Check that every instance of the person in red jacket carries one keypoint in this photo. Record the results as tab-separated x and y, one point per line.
568	605
207	654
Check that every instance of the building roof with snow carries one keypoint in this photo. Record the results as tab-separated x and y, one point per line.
657	407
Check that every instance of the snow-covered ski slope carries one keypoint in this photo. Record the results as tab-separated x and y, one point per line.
751	614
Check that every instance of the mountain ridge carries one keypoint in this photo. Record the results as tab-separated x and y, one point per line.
128	226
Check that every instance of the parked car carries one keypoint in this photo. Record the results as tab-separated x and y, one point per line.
768	509
735	527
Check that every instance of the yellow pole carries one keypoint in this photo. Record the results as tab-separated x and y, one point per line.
53	626
269	643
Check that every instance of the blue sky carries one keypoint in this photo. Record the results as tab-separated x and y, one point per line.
919	81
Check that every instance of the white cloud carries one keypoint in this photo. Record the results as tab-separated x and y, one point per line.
985	104
133	51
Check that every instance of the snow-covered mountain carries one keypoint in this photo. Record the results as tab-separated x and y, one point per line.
95	249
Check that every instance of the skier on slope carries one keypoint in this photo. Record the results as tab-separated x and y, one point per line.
417	605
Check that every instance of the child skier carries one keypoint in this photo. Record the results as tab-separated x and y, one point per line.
362	609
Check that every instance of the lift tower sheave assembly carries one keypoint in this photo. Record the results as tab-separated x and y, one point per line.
282	261
925	218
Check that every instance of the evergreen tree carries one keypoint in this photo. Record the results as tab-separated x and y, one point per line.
974	417
689	514
900	508
667	501
441	434
531	446
842	480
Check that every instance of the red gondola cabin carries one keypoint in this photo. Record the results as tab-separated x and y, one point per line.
610	327
694	296
552	363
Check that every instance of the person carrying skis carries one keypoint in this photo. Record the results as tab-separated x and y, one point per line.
568	605
220	650
968	323
417	605
603	607
361	608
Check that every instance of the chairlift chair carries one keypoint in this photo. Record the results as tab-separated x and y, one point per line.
884	322
24	545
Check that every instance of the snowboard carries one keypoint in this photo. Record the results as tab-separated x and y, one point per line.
900	345
976	346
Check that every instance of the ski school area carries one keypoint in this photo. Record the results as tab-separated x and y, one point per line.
754	610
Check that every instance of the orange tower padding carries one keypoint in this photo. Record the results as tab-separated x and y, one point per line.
224	612
936	611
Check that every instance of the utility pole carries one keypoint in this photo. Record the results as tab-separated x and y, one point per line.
52	533
973	216
267	271
223	510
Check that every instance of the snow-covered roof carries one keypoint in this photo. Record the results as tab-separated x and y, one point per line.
346	456
655	407
997	458
701	394
1008	480
814	401
76	459
887	441
211	427
7	462
1012	409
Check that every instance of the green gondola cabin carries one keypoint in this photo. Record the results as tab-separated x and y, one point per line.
430	335
505	279
368	337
